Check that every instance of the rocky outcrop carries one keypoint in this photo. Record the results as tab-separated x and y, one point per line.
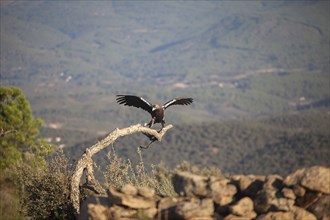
304	194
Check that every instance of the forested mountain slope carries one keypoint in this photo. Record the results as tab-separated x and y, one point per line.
275	145
237	59
241	61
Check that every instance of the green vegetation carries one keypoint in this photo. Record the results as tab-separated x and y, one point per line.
19	130
44	191
37	190
30	188
258	72
10	203
20	146
71	59
278	144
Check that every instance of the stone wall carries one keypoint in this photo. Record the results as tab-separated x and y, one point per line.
304	194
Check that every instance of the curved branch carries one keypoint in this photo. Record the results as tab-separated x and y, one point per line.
85	162
5	132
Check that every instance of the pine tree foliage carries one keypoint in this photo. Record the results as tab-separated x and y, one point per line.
19	130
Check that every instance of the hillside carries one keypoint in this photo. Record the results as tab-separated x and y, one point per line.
276	145
238	60
242	62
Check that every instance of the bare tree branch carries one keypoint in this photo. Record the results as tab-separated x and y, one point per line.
5	132
86	163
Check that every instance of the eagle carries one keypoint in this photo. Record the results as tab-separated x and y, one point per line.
156	111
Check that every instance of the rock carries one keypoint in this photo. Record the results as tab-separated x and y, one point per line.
263	200
146	192
147	213
268	200
129	189
315	178
97	212
204	218
168	202
217	216
276	216
302	195
294	178
273	182
321	207
249	185
96	200
309	198
190	185
222	191
288	193
236	217
221	210
243	207
137	202
118	212
195	208
282	204
166	207
299	191
300	213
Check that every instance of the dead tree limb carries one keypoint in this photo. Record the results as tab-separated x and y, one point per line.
5	132
85	163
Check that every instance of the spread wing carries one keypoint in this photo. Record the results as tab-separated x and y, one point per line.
134	101
178	101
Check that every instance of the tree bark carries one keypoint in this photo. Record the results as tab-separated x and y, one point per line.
86	163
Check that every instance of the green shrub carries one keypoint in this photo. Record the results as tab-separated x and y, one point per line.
10	201
19	130
45	191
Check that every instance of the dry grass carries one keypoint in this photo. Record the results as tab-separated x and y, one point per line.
43	192
120	172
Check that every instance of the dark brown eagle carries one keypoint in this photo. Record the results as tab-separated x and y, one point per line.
156	110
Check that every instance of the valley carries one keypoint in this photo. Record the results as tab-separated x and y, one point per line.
243	63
